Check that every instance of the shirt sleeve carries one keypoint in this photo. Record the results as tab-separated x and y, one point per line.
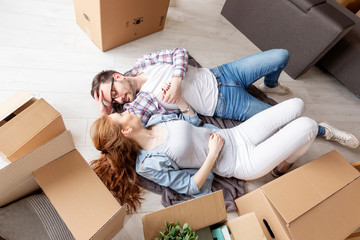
181	181
192	119
177	57
144	105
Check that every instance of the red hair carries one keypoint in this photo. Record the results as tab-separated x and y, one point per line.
116	165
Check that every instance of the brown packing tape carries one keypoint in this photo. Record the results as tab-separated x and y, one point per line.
16	178
78	195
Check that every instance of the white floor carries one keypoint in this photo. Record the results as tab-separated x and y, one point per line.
43	51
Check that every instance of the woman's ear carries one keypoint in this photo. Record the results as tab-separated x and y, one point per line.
118	76
126	131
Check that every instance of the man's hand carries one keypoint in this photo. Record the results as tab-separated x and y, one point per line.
172	91
102	108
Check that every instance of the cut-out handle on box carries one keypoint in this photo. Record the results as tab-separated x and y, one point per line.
269	229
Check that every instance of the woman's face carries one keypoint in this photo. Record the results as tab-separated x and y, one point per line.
126	119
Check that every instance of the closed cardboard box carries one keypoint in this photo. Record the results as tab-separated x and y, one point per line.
111	23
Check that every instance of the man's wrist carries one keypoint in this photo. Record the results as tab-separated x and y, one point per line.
186	110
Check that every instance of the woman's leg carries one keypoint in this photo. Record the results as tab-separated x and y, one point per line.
288	144
264	124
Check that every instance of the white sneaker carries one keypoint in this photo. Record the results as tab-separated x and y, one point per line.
278	90
342	137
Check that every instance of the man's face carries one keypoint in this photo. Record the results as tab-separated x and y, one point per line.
122	91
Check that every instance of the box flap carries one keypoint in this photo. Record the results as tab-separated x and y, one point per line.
246	227
22	128
300	190
14	102
16	178
270	221
336	218
198	213
112	226
77	194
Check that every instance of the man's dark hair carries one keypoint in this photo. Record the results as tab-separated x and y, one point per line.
104	77
101	77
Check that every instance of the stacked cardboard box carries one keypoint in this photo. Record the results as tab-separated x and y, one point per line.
318	201
42	155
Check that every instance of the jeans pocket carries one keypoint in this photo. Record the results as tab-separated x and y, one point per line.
220	110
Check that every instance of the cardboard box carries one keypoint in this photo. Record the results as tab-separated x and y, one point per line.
83	202
26	123
202	212
111	23
320	200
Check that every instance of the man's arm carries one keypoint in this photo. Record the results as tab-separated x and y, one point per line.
177	57
146	105
102	108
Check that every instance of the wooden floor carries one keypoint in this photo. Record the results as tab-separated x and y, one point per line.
43	51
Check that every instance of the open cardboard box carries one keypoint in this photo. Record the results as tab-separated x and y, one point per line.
319	200
25	124
83	202
202	212
111	23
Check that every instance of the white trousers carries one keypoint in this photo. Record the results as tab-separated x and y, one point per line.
274	135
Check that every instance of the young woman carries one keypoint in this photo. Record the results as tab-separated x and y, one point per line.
173	152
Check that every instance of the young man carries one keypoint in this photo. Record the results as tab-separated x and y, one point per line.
157	81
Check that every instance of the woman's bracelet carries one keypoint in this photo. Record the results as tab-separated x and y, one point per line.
186	110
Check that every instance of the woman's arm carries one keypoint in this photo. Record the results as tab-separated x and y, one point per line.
216	142
181	181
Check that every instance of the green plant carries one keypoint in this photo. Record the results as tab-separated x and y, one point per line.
175	232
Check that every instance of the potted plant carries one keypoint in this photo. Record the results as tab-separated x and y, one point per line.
175	232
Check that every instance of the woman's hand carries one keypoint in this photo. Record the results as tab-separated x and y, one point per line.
216	143
102	108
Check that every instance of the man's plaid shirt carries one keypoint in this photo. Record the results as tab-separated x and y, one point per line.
145	103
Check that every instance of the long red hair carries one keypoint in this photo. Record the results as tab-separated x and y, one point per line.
116	165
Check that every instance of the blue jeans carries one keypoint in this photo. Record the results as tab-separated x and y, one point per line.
234	78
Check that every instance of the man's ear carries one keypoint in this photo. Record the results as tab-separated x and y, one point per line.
126	131
118	76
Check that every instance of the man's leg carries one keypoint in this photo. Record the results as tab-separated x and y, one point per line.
234	78
246	71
